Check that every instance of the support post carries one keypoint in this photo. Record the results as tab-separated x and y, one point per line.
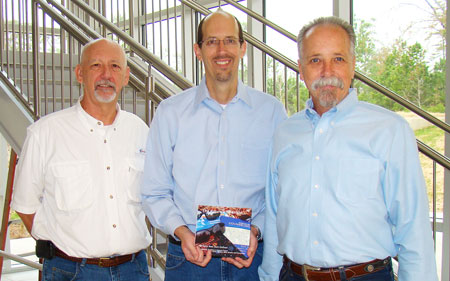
6	207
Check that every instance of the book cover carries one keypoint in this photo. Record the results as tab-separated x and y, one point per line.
223	230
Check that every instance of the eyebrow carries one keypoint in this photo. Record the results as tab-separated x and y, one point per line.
110	61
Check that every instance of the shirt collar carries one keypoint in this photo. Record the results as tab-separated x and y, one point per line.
91	121
203	93
348	102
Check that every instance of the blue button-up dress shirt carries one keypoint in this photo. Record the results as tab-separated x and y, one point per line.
201	153
345	188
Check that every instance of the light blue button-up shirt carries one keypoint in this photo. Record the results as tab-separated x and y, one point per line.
201	153
347	188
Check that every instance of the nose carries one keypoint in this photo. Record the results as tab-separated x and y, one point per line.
106	72
221	45
327	69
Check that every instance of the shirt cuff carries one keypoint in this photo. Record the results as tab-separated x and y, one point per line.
258	221
174	223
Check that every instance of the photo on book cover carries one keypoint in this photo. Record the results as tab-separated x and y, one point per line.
223	230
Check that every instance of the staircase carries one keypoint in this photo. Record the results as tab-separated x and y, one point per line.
41	43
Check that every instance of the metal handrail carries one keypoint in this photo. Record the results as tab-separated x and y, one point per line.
21	260
249	38
17	93
400	100
262	19
439	158
136	70
137	48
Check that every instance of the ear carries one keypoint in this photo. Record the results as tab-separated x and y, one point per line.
79	73
198	51
243	48
300	70
127	76
353	67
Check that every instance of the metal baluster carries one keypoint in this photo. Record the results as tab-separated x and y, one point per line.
53	67
44	43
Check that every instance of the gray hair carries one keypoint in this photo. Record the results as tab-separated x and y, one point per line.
327	21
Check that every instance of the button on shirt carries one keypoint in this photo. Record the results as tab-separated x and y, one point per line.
347	188
201	153
82	179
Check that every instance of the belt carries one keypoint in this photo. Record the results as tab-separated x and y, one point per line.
174	241
311	273
102	262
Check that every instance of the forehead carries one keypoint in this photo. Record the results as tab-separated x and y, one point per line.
105	51
220	25
326	38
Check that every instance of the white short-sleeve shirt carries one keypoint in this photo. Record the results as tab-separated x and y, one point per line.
82	179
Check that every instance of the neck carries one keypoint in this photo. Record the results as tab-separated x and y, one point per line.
320	110
105	112
222	92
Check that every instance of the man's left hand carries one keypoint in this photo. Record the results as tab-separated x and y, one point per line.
239	262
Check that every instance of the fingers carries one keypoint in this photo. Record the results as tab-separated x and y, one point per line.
239	262
234	261
192	252
197	256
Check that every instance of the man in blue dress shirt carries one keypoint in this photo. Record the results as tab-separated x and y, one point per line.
345	189
209	145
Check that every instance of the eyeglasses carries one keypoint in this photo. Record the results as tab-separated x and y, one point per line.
214	42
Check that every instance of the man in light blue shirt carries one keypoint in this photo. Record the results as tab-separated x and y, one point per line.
209	146
345	189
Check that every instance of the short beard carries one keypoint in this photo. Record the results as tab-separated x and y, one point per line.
104	99
223	77
100	98
327	97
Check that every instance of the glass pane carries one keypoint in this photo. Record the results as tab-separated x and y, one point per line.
292	15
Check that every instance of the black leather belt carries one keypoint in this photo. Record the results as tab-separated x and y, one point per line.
174	241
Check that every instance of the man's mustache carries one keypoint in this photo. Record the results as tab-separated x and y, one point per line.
105	83
327	81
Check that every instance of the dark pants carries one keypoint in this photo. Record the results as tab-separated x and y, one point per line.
178	268
59	269
386	274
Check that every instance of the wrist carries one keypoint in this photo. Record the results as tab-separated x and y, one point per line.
180	232
257	232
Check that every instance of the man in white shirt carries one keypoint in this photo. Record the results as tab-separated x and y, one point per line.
77	183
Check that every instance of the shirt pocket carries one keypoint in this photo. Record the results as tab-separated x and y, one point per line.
135	169
73	185
254	158
357	179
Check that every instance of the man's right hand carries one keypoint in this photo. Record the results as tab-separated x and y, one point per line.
192	253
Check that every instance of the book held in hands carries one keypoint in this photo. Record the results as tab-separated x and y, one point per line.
223	230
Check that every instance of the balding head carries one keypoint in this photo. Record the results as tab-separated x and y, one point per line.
205	20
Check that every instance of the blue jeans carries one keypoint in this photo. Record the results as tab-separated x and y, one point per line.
178	268
59	269
386	274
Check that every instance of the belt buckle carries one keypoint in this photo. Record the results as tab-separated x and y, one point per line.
101	262
305	268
